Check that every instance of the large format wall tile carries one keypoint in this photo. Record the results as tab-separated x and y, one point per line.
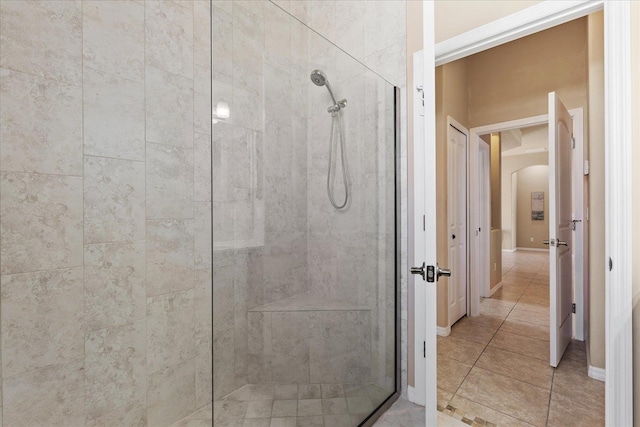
202	167
204	379
115	367
52	396
169	37
170	258
202	235
132	414
114	200
169	182
113	116
41	222
42	319
43	38
170	330
172	394
204	312
113	37
42	125
202	34
114	284
169	108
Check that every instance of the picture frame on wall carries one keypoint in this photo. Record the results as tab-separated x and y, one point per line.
537	205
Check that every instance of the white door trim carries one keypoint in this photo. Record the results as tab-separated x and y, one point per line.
619	372
517	25
618	213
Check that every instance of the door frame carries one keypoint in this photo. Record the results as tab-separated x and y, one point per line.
618	171
578	194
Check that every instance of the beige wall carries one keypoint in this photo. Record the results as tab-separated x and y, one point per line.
451	100
454	17
512	81
635	9
510	165
533	178
596	191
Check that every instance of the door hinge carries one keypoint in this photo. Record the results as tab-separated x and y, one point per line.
424	223
573	307
424	349
573	142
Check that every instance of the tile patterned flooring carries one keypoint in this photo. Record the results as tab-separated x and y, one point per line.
496	366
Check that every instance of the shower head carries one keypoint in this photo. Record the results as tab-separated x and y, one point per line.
320	79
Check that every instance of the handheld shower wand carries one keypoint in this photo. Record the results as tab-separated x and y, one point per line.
320	79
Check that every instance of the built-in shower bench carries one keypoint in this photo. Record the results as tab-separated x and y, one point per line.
309	339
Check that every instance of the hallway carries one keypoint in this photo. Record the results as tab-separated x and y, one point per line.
494	369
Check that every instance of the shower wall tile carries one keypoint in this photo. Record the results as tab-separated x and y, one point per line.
202	235
169	37
113	112
113	38
202	167
115	368
385	22
49	396
133	413
169	176
321	16
202	34
171	394
350	26
43	39
169	107
203	310
40	222
222	38
277	39
223	296
170	330
223	350
42	319
114	200
42	129
290	361
114	284
204	379
202	100
170	256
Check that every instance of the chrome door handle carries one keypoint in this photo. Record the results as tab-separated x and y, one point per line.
561	243
545	242
422	271
442	272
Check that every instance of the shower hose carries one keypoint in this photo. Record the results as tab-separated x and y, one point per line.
336	117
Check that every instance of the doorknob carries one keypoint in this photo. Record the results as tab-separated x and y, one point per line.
545	242
422	271
561	243
442	272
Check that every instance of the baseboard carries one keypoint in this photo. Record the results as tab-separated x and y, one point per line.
495	289
533	249
509	250
443	332
597	373
411	394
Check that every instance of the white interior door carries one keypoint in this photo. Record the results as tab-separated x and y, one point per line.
484	213
457	221
560	239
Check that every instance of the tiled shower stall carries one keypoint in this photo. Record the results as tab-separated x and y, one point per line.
125	210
